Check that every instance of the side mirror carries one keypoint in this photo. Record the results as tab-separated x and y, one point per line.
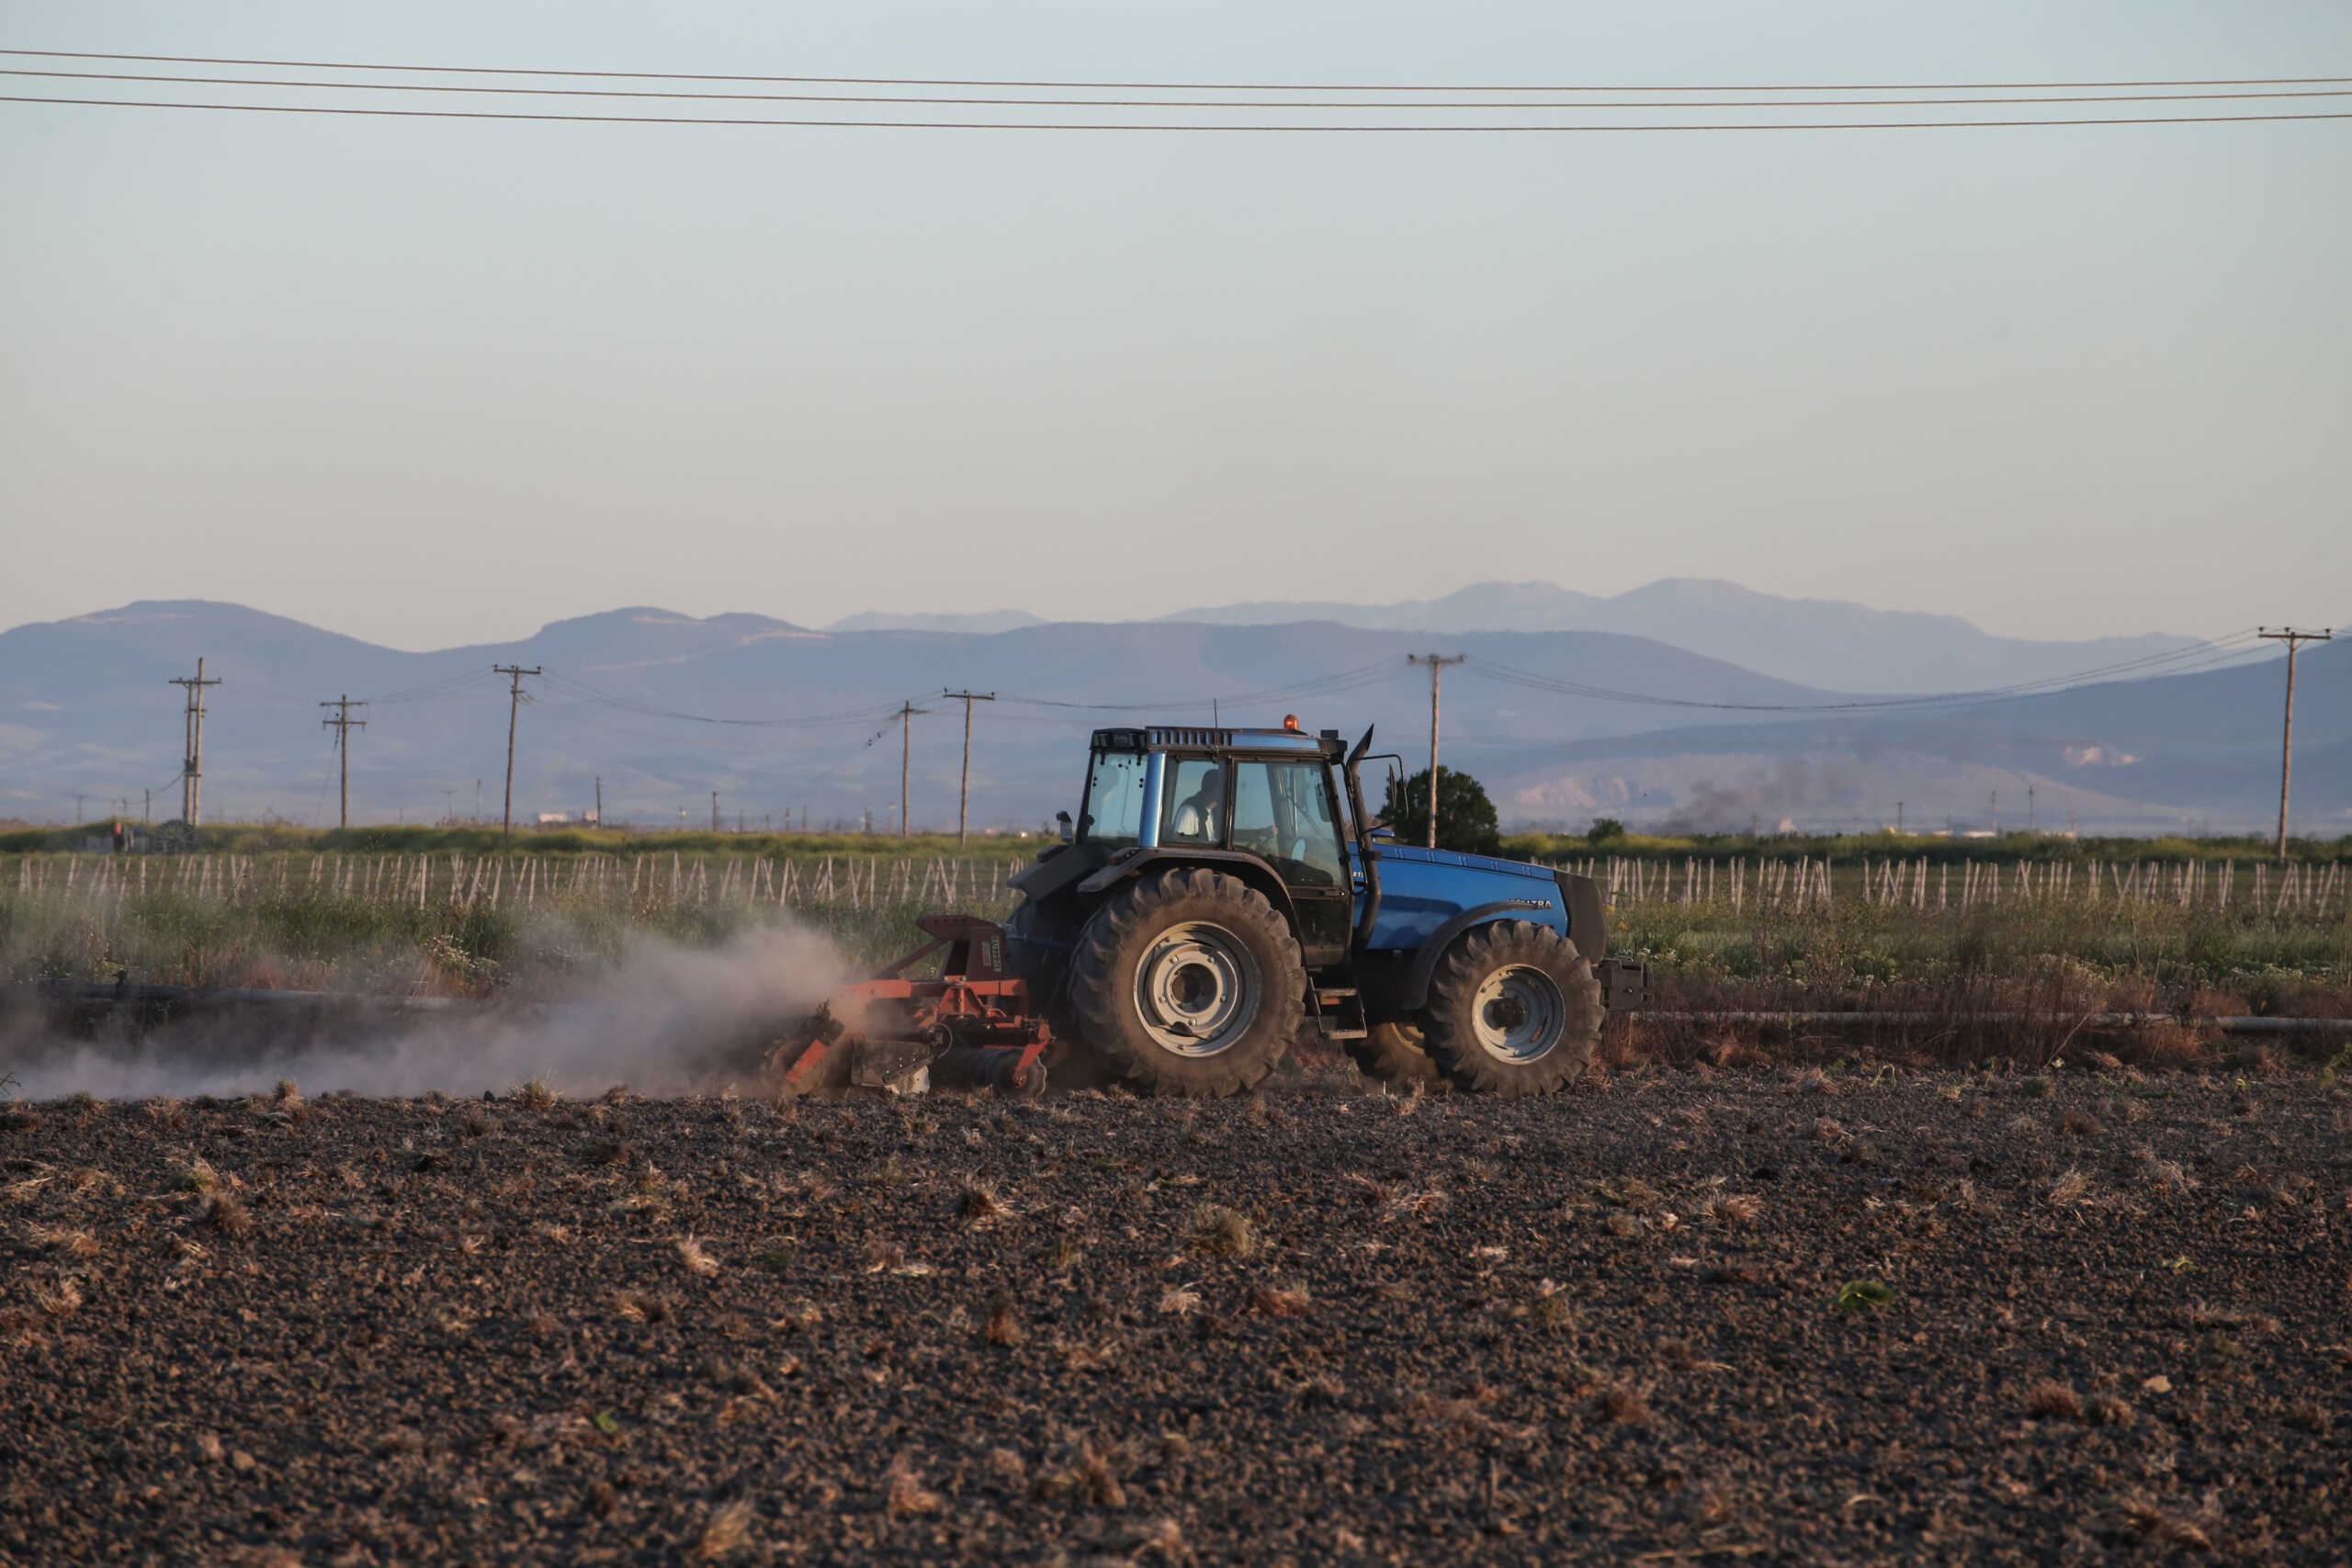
1069	832
1383	834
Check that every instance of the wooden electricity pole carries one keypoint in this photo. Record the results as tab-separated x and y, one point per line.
964	791
343	724
1437	663
907	711
513	709
192	769
2292	638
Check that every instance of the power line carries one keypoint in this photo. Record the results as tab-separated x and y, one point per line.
1162	86
1327	685
432	690
1170	125
648	710
1488	103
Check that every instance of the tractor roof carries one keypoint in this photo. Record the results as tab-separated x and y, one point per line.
1297	742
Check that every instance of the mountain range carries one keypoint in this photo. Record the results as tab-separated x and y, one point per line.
659	710
1832	643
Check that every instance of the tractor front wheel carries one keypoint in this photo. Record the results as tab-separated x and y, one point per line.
1188	982
1513	1009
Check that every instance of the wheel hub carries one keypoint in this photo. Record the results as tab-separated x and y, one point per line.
1197	990
1519	1014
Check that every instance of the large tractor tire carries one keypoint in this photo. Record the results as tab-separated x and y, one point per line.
1513	1010
1395	1053
1188	982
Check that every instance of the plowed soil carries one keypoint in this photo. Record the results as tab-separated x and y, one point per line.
1669	1319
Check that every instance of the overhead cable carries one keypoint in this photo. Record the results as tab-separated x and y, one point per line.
1175	87
1420	104
594	693
1168	126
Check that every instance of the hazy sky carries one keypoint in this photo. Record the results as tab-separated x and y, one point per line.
432	381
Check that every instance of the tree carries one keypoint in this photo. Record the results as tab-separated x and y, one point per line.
1604	830
1465	817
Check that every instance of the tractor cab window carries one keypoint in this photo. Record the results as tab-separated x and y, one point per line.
1194	796
1113	810
1283	811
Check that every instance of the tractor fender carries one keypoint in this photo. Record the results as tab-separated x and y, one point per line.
1416	992
1053	871
1243	866
1587	915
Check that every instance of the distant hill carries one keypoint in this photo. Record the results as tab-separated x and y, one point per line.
981	623
666	708
1831	643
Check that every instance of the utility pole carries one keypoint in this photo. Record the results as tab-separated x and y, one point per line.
1898	818
714	811
146	806
907	711
2292	638
1437	663
2028	808
192	770
79	796
1997	814
343	724
964	793
600	800
513	711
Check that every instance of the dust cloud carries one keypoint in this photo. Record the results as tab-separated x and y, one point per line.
665	1019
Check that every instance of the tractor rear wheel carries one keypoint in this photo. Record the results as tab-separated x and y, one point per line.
1189	983
1395	1053
1513	1009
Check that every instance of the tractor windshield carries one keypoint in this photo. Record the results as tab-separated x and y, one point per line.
1113	810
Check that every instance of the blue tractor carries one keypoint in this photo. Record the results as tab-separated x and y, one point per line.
1223	892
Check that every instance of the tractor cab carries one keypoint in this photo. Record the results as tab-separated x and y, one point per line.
1264	802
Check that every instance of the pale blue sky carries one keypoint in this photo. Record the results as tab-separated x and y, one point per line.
429	382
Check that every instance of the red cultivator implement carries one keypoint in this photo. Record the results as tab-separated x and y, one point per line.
966	1025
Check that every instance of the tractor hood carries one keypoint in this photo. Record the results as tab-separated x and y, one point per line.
1391	853
1424	894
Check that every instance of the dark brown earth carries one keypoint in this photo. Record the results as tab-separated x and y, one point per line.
1304	1327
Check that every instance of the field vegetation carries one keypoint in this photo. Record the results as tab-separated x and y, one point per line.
1985	941
1837	850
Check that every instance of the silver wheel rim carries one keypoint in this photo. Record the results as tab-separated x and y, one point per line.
1197	990
1519	1014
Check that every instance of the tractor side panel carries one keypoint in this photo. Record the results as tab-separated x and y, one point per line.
1420	896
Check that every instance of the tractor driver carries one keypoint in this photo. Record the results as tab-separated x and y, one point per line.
1196	816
